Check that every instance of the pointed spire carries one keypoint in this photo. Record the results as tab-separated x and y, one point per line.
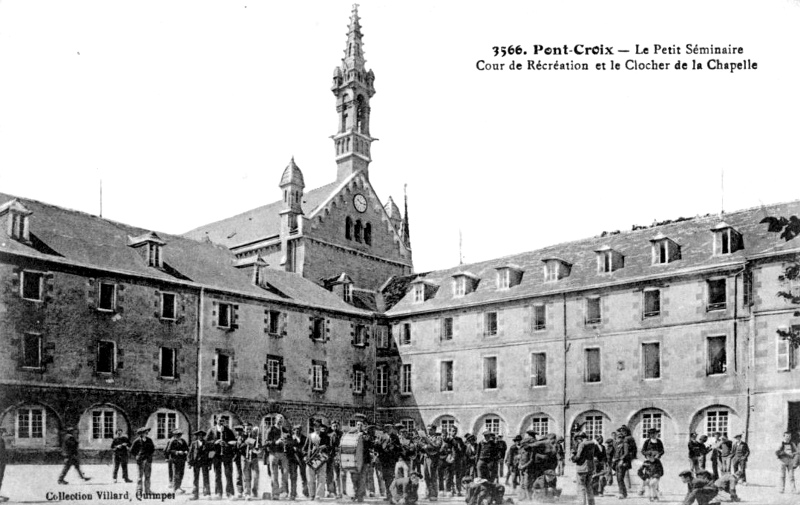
406	231
353	52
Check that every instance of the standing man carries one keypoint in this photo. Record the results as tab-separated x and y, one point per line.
316	454
335	478
119	447
388	456
713	447
652	445
456	469
277	438
222	446
250	457
359	477
512	462
297	461
788	456
502	448
69	450
584	467
143	449
697	454
432	447
238	454
561	454
740	451
486	457
175	452
3	460
621	463
199	462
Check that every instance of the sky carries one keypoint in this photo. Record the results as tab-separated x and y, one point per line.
190	110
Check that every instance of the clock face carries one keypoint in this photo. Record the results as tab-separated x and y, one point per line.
360	202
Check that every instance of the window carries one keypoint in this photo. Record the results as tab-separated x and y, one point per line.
154	254
717	421
541	425
317	373
539	317
223	367
32	350
652	303
490	324
446	424
357	231
358	381
317	328
717	361
405	379
405	334
168	306
593	426
551	271
108	296
106	356
605	261
166	422
447	328
651	421
19	226
490	372
360	336
664	250
538	369
727	240
273	322
593	314
348	228
446	376
459	286
31	286
347	292
503	278
274	370
382	380
492	424
419	293
30	423
717	295
591	358
368	234
167	368
103	424
408	424
224	315
786	351
651	357
383	337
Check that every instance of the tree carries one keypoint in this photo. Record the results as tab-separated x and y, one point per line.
789	229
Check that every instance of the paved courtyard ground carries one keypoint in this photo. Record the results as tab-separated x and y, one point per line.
37	484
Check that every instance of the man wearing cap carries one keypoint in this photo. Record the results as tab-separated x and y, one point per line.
404	490
406	452
199	463
652	445
512	462
740	452
175	453
238	454
525	465
454	471
119	449
143	449
335	477
3	460
316	455
388	456
486	457
700	488
222	446
697	453
584	467
431	447
69	449
359	477
622	462
545	487
470	451
251	454
502	448
561	455
293	448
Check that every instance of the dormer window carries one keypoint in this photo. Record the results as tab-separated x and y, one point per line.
664	250
347	292
726	239
555	269
609	260
17	215
464	283
419	293
423	290
149	246
508	277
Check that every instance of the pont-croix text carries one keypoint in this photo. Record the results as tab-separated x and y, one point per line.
725	58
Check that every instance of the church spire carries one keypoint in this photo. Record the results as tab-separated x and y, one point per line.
406	231
353	88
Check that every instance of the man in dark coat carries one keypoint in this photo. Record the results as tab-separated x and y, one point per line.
741	452
388	455
222	450
432	447
3	460
297	462
335	478
198	461
789	457
622	462
584	467
143	449
486	457
69	450
697	453
455	468
175	453
120	446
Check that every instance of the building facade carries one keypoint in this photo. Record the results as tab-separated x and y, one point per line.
309	308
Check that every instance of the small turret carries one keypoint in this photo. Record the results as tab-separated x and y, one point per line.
292	185
393	211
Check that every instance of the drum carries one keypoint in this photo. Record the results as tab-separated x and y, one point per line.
352	451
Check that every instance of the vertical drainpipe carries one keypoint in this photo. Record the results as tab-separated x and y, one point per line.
566	349
736	343
198	386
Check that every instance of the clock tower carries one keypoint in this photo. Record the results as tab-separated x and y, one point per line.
353	88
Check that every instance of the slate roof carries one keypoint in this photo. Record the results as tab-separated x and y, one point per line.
86	240
693	235
259	223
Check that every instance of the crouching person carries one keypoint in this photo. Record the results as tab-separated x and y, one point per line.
199	463
545	487
699	488
403	490
483	492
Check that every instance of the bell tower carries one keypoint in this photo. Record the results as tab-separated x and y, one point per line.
353	88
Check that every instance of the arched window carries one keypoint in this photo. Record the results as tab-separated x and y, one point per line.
368	234
348	228
360	114
358	230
